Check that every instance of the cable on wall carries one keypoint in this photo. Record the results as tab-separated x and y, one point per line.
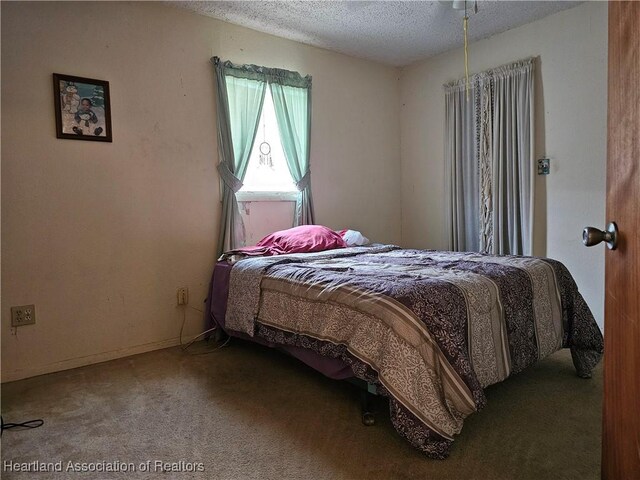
185	346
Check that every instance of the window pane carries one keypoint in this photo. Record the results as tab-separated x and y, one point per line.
267	170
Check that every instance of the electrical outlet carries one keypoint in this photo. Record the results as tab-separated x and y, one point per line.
183	296
24	315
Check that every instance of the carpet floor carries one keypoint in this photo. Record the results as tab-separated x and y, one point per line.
248	412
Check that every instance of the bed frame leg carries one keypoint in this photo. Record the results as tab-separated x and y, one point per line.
368	418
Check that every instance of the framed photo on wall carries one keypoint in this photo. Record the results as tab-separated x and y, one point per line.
83	108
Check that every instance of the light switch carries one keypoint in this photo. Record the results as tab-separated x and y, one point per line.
543	166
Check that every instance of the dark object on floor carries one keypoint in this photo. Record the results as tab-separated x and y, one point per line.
28	424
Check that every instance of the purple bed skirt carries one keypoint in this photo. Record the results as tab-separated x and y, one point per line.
216	308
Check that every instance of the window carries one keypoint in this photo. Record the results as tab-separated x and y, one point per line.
245	105
267	176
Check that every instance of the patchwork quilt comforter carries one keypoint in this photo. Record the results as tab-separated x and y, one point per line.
431	329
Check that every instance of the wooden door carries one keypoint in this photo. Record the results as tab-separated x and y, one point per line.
621	413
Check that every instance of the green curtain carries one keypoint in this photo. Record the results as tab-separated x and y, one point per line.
240	96
292	101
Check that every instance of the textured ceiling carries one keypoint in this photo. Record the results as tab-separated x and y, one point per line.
392	32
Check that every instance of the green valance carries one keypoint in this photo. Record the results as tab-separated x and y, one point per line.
264	74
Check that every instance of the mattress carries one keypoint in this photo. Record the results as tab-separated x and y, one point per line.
430	329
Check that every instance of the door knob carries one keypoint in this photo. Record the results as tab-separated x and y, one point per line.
592	236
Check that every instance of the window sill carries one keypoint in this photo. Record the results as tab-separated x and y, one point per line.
267	196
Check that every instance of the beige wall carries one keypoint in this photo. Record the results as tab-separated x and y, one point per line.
99	235
571	104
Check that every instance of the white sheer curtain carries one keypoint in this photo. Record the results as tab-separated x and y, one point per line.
489	161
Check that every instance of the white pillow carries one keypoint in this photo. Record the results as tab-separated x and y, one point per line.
354	238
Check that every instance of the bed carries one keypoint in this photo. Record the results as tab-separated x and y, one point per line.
429	329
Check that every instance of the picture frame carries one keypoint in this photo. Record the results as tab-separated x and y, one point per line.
82	108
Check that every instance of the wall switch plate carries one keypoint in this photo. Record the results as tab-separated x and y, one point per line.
183	296
24	315
543	166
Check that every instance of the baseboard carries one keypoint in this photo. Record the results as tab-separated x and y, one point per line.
21	374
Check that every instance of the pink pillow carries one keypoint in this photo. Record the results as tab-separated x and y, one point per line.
302	239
